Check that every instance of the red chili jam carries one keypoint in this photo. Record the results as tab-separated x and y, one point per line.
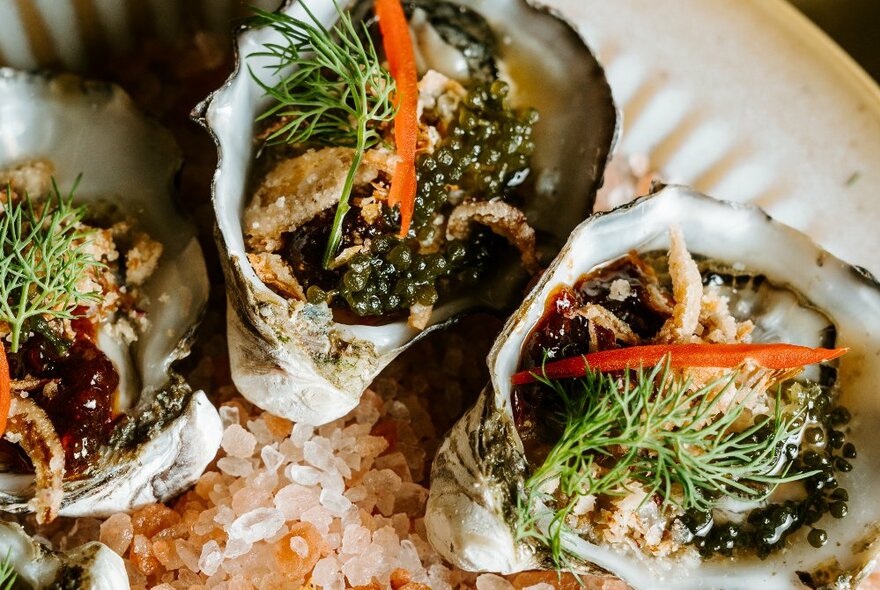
81	406
562	332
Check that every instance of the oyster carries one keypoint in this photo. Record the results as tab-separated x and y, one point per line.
163	434
808	297
297	359
92	566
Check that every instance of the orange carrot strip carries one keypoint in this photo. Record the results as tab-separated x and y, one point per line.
402	64
771	356
5	389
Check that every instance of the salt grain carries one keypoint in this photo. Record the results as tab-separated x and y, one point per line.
292	500
303	474
256	525
299	546
334	502
301	433
540	586
493	582
272	459
238	442
319	453
326	572
355	539
187	553
209	561
236	467
318	516
116	532
229	415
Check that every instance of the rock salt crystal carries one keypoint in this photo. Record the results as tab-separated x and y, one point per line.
187	553
334	502
493	582
326	573
272	459
303	474
293	499
318	516
256	525
116	532
235	547
299	546
355	539
238	442
229	415
301	433
319	453
224	516
235	466
211	557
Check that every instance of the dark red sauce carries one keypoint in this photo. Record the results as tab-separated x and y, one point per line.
81	407
562	332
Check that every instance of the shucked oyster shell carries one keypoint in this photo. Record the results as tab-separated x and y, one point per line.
480	466
92	566
125	159
292	358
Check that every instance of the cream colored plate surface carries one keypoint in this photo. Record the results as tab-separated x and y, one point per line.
749	101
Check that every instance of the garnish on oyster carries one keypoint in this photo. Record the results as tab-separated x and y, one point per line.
400	195
651	415
103	285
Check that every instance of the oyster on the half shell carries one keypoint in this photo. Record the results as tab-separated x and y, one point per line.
164	434
92	566
294	358
481	467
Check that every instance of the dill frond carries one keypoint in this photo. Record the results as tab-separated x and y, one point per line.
7	572
43	258
651	430
331	91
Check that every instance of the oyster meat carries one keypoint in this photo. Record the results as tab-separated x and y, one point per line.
293	354
159	435
746	278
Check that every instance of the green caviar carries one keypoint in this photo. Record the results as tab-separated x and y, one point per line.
484	156
825	453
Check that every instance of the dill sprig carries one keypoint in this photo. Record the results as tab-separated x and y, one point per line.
652	430
332	91
43	257
7	572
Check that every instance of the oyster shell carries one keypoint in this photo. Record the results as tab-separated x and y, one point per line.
171	433
92	566
480	467
292	358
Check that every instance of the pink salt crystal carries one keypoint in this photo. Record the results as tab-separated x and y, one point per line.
165	552
303	474
326	573
352	459
229	415
319	453
438	577
318	516
334	502
301	433
247	499
261	431
332	480
408	558
116	532
235	547
235	466
211	558
187	553
359	570
292	500
355	539
411	499
401	523
493	582
299	546
256	525
272	459
540	586
396	462
238	442
222	515
356	494
291	452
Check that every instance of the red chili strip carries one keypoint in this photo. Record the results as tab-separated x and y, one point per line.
771	356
